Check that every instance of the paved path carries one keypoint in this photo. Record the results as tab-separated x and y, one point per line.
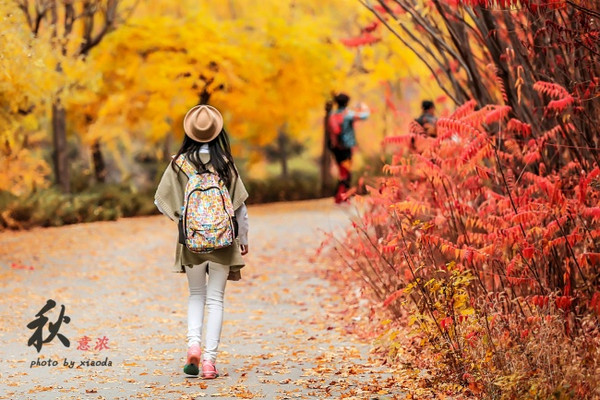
114	280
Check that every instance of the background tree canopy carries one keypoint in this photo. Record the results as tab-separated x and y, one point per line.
94	87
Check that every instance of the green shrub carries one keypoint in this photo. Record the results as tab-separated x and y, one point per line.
49	207
107	202
298	186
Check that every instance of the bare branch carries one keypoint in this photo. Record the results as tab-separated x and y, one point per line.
126	15
418	54
69	19
109	22
430	30
41	8
54	21
24	6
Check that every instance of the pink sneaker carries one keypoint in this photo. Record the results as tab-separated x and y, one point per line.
209	371
192	366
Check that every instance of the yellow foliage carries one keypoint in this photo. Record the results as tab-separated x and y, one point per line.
26	76
268	66
265	70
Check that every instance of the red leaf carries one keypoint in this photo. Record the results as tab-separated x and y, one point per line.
528	252
445	322
391	298
362	40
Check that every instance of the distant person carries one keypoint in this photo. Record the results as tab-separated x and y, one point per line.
202	191
342	139
428	119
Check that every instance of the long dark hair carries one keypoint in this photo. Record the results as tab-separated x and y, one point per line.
220	156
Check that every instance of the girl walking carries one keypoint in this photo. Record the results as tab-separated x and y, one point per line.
205	146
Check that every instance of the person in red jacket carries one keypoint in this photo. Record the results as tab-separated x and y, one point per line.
342	140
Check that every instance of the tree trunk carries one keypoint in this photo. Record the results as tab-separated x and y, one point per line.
166	153
283	155
325	156
59	139
232	11
99	164
204	97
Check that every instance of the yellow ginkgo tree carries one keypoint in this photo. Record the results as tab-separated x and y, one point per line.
26	76
71	29
122	77
265	71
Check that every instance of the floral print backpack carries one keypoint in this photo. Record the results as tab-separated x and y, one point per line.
208	219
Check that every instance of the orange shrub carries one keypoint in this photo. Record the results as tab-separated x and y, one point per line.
494	255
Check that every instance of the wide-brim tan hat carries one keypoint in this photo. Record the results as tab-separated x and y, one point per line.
203	123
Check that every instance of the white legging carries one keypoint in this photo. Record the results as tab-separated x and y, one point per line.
210	294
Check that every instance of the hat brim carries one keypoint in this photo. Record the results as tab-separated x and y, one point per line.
189	130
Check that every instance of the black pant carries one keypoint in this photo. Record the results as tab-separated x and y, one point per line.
341	155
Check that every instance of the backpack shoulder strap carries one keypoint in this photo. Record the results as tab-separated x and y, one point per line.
185	165
345	113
